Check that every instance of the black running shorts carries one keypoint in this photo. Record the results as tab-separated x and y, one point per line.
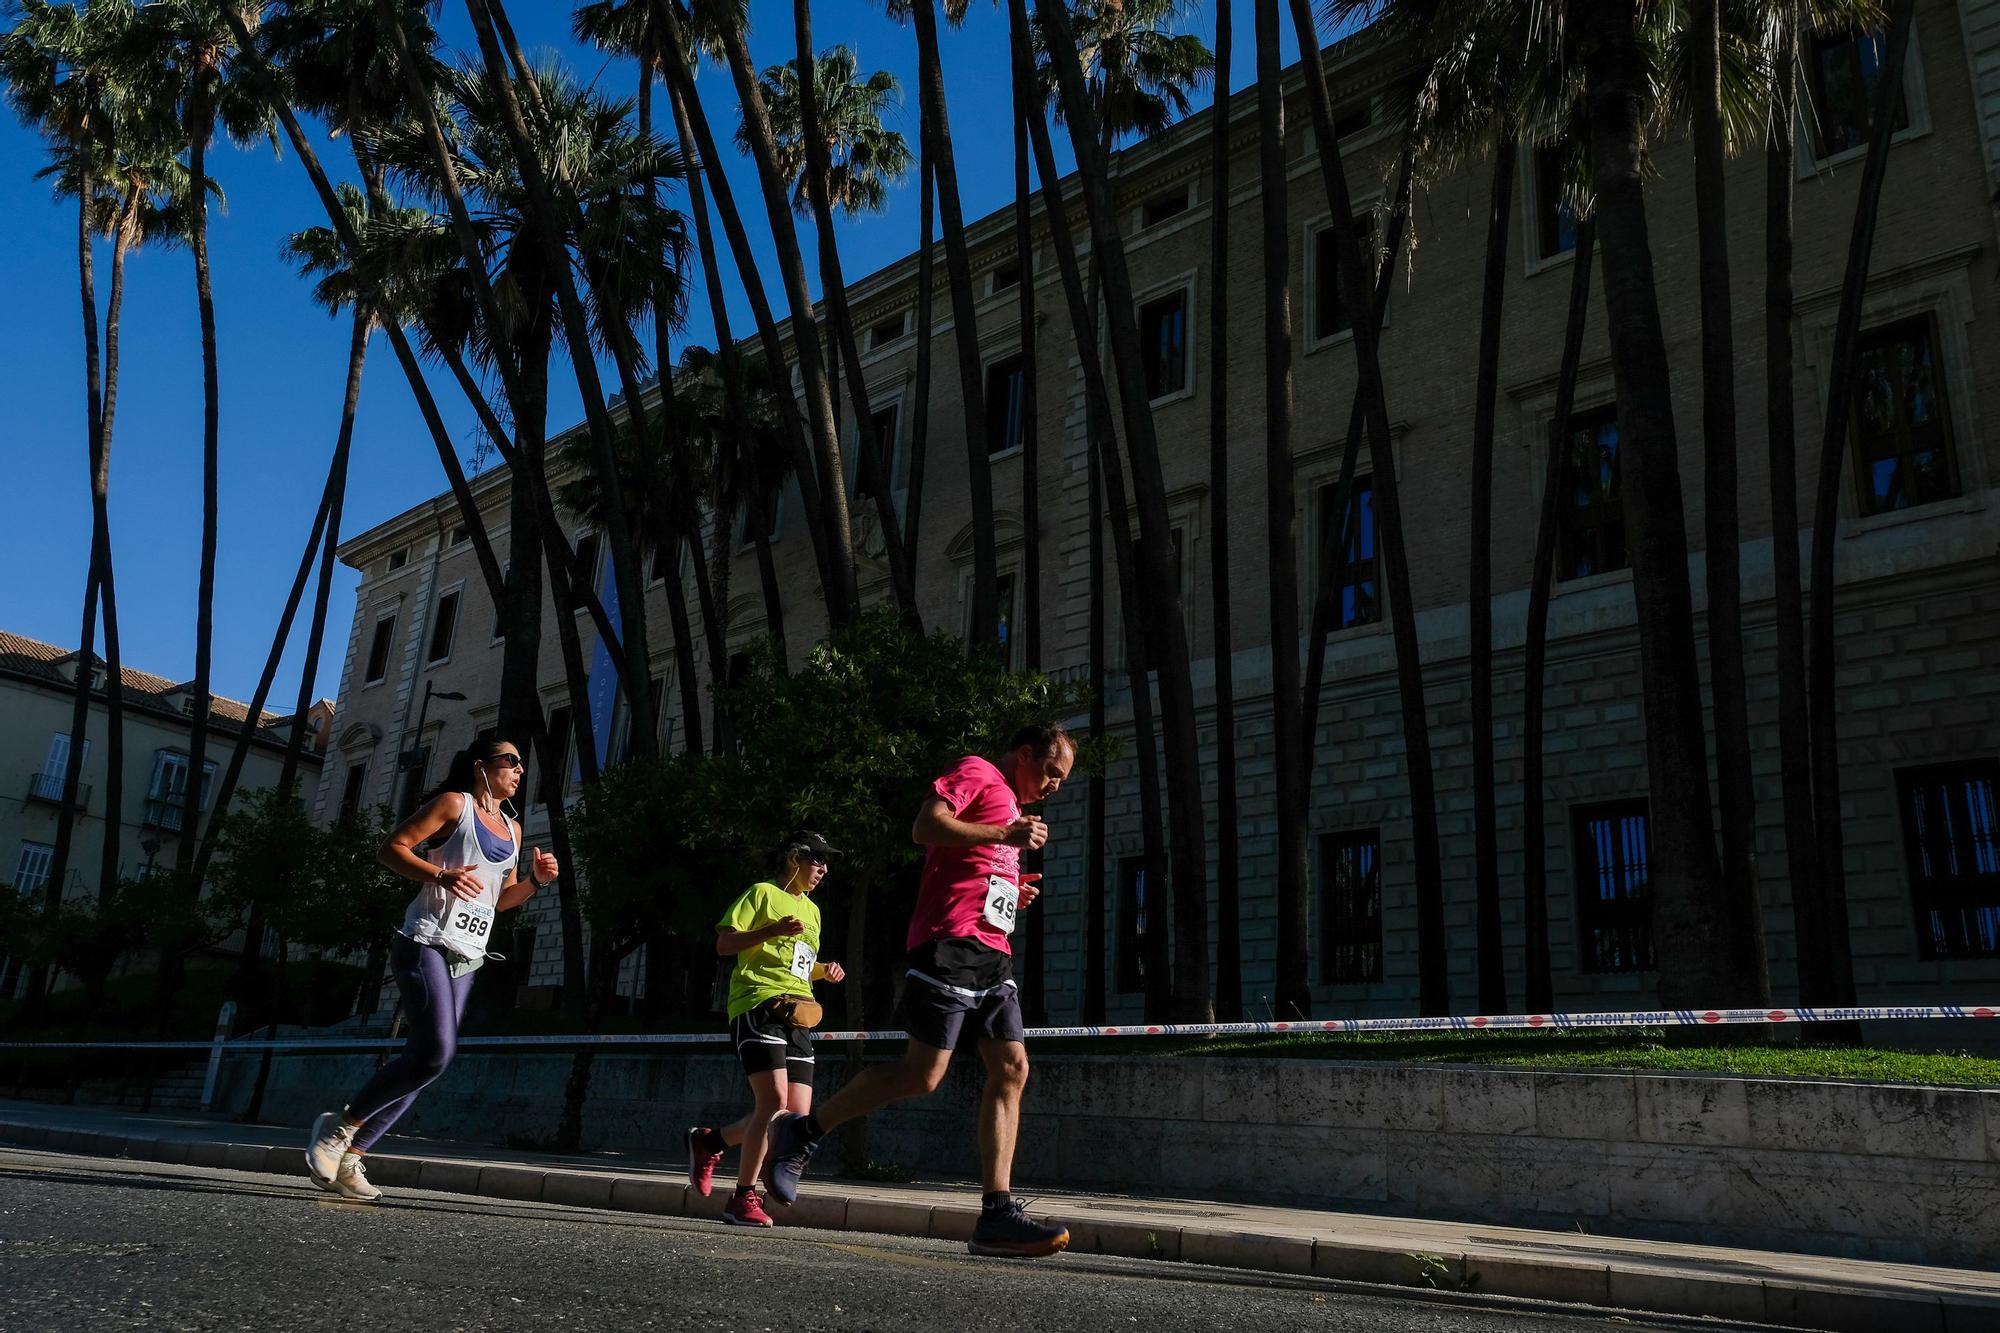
765	1042
961	990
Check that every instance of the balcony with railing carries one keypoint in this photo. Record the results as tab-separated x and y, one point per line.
44	786
164	814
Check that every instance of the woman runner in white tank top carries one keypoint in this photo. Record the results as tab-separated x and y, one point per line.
470	874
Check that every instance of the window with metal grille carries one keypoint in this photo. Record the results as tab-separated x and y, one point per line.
1350	907
1591	515
1901	423
1614	900
1954	854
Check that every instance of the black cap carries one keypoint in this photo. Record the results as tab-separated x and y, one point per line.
809	842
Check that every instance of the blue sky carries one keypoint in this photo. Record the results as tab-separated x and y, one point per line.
283	361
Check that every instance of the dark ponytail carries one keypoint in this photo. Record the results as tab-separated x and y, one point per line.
460	777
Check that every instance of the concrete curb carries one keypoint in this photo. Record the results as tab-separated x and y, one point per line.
1653	1289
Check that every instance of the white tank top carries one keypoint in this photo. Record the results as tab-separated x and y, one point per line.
433	915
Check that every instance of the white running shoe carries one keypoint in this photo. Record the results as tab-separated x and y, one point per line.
332	1136
351	1182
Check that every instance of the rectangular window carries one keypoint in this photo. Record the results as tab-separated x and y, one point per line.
1614	907
459	536
1353	120
1163	343
1555	219
586	560
378	650
1133	922
1003	629
500	612
397	559
1901	422
31	867
556	776
1163	206
745	535
1006	275
47	785
1356	574
443	626
1591	517
1842	73
1331	317
1954	853
658	571
355	791
884	332
1004	386
885	420
1350	907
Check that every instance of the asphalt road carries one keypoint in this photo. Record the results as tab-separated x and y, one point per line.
100	1243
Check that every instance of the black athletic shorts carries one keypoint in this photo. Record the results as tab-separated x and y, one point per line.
765	1042
961	990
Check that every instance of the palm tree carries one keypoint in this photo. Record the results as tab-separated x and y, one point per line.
1169	648
840	593
58	65
183	52
829	129
1832	974
1228	922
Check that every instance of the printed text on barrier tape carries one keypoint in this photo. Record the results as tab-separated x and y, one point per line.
1454	1023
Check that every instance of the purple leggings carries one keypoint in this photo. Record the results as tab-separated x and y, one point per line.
434	1005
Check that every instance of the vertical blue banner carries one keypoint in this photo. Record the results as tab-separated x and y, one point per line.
603	677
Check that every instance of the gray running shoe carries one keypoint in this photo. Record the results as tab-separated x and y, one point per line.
1012	1233
786	1155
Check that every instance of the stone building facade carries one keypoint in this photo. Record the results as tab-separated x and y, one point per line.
1916	564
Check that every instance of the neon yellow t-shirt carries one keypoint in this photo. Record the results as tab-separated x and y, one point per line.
781	965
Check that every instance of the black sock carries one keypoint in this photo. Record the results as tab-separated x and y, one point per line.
814	1130
711	1140
999	1201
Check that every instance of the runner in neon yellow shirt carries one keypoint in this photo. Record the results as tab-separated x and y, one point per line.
773	932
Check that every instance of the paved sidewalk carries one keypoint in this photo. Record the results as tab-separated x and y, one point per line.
1789	1290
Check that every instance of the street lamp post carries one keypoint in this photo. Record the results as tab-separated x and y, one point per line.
413	761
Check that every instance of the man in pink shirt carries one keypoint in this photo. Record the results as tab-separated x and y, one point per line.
961	982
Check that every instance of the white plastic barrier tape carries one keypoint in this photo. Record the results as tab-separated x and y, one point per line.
1645	1018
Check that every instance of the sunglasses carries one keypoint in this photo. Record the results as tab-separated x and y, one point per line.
504	760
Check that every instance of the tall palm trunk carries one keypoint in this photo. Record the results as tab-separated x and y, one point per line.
1834	970
1228	912
965	324
1294	994
1485	813
1534	832
1094	880
1727	689
1689	917
1034	978
100	517
86	650
1433	962
920	396
1788	599
874	465
1186	805
841	595
201	127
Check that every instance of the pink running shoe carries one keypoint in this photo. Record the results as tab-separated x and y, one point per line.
701	1162
745	1209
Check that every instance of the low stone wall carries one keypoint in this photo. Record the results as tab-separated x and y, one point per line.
1865	1170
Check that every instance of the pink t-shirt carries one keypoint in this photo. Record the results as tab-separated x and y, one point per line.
951	898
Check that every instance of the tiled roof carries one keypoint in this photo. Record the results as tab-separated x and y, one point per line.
142	689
